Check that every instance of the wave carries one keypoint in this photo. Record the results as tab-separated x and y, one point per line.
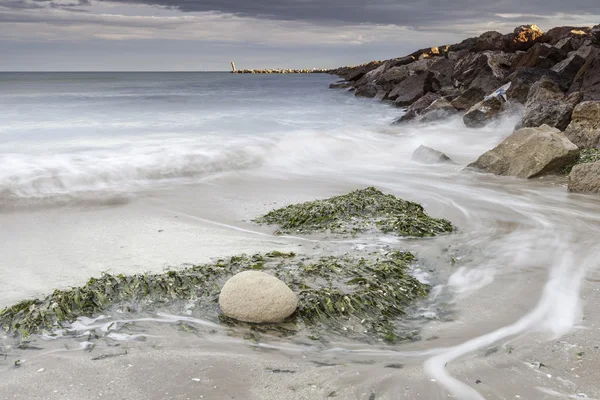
114	170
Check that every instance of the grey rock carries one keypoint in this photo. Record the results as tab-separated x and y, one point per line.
559	34
584	129
417	107
397	74
427	155
546	104
595	33
522	80
485	71
570	66
369	90
541	55
587	80
412	88
468	99
439	109
529	153
340	85
585	178
483	112
254	296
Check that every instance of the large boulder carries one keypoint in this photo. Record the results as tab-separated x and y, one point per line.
398	73
439	109
595	33
523	78
525	36
485	71
541	55
468	99
566	33
529	153
585	178
427	155
443	68
355	73
570	66
587	80
492	40
417	107
254	296
483	112
584	129
369	90
546	104
412	88
373	75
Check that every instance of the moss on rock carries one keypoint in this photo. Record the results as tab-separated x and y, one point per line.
585	156
354	296
355	212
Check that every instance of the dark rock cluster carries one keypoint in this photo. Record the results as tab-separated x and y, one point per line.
552	79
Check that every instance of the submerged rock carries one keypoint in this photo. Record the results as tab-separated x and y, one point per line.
340	85
254	296
585	178
483	112
529	153
468	99
427	155
417	107
584	129
358	211
546	104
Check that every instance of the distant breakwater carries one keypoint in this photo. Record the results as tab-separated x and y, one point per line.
282	71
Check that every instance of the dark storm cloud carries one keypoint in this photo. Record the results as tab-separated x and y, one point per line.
398	12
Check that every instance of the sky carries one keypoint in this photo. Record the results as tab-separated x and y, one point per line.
206	35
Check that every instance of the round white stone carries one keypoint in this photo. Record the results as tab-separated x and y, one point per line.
253	296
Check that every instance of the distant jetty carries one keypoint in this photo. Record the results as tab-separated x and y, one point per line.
279	71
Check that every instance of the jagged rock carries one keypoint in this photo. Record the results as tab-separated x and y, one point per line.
417	107
427	155
373	75
381	95
355	73
397	74
525	36
486	71
412	88
439	109
483	112
541	55
529	153
587	80
369	90
254	296
466	45
443	69
522	79
570	66
468	99
584	129
429	52
492	40
340	85
561	33
595	33
546	104
585	178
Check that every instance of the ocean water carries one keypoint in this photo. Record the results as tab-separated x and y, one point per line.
136	172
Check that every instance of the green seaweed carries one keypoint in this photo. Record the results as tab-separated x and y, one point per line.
359	297
585	156
356	212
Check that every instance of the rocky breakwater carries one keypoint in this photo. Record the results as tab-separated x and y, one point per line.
551	79
282	71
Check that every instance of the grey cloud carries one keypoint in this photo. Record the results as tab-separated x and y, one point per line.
398	12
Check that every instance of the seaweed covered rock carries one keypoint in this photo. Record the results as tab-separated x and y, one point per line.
529	153
355	212
254	296
360	297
